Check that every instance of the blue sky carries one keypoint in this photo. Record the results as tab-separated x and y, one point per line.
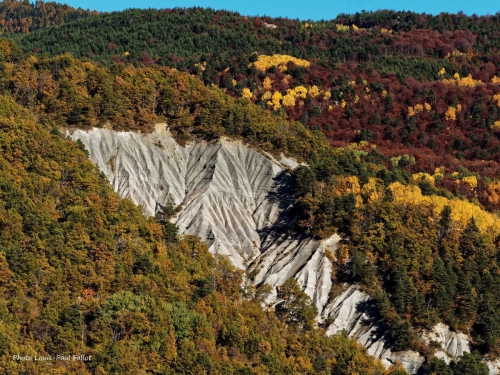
302	9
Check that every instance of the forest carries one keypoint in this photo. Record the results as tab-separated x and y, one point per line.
395	115
84	272
426	86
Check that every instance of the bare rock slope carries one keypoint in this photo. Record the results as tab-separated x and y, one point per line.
235	199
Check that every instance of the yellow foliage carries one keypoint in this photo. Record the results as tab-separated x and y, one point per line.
327	95
88	66
384	93
264	62
465	81
461	210
246	93
385	31
427	106
267	84
302	365
126	53
496	98
370	189
341	27
439	171
314	91
234	82
343	103
277	96
330	108
267	95
289	98
354	27
496	126
471	181
349	184
32	60
286	79
275	101
494	192
343	255
301	91
442	72
375	196
371	185
451	114
412	111
423	176
459	108
5	48
495	80
356	99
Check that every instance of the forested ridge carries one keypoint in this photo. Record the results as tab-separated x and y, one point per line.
413	189
422	85
24	17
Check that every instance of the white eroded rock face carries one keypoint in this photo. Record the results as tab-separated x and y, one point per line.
303	259
453	344
223	188
351	312
231	196
236	200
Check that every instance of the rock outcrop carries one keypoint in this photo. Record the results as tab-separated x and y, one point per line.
237	200
234	198
225	189
453	344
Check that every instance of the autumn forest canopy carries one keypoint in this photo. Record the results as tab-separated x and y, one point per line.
395	116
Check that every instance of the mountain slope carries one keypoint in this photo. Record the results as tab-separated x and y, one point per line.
421	85
22	17
228	206
407	219
83	272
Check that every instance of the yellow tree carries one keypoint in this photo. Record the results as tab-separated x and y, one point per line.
267	83
246	93
275	101
451	114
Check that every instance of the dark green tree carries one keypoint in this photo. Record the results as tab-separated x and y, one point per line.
295	307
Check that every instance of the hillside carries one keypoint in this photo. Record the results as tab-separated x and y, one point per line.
239	202
392	234
83	272
412	84
24	17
